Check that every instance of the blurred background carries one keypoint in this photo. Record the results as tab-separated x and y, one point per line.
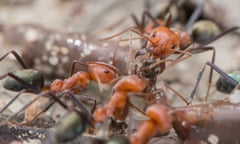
104	18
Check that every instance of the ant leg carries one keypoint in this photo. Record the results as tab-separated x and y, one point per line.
218	70
137	109
46	108
157	64
178	94
196	50
221	35
11	101
75	100
85	98
180	58
17	56
28	87
56	98
51	102
202	49
26	106
195	15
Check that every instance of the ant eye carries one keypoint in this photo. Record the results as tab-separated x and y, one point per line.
173	46
154	34
106	71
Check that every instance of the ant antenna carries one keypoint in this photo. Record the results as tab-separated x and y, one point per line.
73	66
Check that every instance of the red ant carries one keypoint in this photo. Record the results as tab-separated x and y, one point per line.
163	42
100	72
192	123
29	80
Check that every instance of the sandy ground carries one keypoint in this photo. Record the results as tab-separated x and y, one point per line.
96	16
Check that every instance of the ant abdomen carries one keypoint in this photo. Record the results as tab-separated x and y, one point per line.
225	86
28	79
71	126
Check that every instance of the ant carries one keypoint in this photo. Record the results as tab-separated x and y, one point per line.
193	123
163	42
29	80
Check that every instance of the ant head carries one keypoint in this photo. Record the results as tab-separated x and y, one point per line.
102	72
162	42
